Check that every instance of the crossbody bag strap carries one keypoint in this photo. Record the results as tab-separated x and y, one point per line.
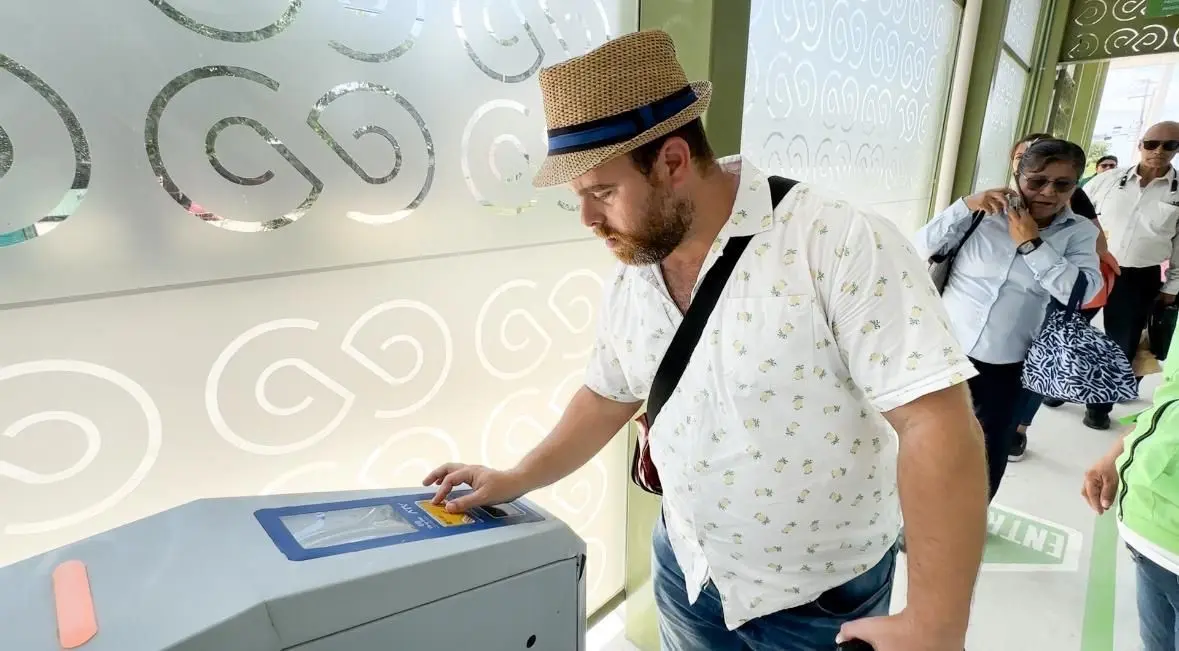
975	221
679	351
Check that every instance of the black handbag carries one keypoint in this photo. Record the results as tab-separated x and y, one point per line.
1160	329
671	368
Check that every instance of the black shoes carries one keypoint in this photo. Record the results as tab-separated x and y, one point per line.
1052	402
1019	447
1094	420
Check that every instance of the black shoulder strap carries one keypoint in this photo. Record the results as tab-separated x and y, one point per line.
780	186
975	220
679	351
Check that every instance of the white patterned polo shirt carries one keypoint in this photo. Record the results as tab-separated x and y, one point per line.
778	470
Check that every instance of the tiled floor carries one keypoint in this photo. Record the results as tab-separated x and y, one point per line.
1056	577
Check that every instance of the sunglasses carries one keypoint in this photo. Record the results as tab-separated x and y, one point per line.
1038	183
1167	145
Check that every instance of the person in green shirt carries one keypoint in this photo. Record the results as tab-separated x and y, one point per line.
1104	164
1138	479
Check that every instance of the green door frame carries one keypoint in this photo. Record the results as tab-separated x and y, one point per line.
1037	94
987	47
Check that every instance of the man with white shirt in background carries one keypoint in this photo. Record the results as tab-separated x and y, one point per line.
778	450
1139	209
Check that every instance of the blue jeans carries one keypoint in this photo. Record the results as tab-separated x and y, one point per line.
810	627
1158	603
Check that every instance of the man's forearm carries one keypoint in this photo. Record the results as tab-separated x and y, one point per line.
943	488
588	424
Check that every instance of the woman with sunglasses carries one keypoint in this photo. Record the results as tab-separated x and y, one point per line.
1139	208
1029	402
1028	248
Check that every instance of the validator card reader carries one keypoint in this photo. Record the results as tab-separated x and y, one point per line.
354	571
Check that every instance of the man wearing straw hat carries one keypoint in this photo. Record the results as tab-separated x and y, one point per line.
775	449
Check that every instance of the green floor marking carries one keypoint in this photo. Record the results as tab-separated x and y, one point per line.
1020	542
1097	630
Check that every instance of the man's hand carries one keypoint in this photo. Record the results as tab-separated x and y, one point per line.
989	201
1166	299
1021	226
489	486
900	633
1109	260
588	424
1101	484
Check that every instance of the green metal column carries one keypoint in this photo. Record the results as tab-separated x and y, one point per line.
1090	80
712	44
1054	19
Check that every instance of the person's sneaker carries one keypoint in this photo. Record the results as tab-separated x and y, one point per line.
1096	421
1019	447
1052	402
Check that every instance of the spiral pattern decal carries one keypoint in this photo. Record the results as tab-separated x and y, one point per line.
851	95
521	343
313	120
30	228
1106	29
231	36
155	157
17	480
415	33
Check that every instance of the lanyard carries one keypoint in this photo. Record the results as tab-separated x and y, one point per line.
1174	185
1126	178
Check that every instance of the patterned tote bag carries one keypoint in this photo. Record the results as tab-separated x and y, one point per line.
1073	361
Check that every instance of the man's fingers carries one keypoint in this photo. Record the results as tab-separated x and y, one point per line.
1108	490
858	629
1093	490
1088	492
460	476
438	473
467	502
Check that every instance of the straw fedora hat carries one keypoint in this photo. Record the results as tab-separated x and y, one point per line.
612	100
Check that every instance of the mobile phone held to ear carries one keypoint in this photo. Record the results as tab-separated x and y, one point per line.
1015	202
855	645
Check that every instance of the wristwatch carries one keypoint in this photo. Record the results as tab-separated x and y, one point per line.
1029	246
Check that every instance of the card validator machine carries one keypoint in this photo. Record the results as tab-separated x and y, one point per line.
355	571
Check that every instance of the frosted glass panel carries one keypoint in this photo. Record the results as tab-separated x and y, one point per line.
242	132
994	150
1023	18
852	96
271	246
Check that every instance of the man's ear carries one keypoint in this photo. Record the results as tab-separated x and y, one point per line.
676	157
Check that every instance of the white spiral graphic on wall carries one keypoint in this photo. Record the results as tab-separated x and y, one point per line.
152	432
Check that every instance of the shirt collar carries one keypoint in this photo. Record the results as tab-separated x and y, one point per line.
1066	218
753	209
1132	173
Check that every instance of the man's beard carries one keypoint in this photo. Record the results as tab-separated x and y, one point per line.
666	225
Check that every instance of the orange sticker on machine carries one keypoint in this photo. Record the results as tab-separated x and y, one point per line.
444	517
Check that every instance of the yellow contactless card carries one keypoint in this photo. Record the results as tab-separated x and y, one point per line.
442	516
